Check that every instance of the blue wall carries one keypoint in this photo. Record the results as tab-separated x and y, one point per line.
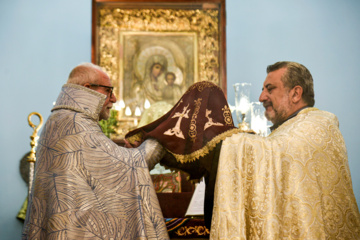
41	41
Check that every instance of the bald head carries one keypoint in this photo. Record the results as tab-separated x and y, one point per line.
85	73
93	77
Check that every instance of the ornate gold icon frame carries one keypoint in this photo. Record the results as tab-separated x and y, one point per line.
187	37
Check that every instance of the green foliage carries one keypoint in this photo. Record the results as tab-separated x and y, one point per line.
109	126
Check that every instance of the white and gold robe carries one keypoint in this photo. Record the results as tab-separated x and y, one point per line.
293	184
85	186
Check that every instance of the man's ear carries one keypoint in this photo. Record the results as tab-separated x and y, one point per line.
87	85
297	92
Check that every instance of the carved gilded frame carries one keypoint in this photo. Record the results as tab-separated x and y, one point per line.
192	31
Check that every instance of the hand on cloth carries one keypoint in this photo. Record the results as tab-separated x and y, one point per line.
133	145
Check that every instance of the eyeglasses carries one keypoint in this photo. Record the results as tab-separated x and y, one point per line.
107	87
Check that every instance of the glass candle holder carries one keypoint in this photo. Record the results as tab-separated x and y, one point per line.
242	105
259	123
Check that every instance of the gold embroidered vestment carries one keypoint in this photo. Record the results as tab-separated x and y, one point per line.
293	184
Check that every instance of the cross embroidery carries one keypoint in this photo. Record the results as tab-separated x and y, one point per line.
176	130
210	121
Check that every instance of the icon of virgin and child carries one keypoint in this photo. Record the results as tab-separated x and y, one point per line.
163	75
159	83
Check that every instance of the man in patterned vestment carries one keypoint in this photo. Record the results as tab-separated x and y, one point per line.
85	186
293	184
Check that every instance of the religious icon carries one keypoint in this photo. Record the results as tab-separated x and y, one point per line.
172	92
154	52
157	66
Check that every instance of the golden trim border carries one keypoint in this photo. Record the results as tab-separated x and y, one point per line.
205	22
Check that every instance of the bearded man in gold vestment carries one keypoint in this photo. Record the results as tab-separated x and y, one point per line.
86	186
293	184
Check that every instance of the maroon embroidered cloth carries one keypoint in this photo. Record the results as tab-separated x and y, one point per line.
193	127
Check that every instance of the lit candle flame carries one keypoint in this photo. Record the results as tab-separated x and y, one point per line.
121	103
128	111
137	112
146	104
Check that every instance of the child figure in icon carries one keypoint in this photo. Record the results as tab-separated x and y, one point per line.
171	92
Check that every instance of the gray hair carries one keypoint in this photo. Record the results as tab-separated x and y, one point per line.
85	73
296	75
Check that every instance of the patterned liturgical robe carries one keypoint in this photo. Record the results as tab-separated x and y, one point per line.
85	186
293	184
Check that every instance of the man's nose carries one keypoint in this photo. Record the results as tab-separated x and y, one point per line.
262	97
113	98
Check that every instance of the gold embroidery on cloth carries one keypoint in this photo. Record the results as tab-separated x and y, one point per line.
199	230
176	130
210	121
227	115
289	185
192	129
206	149
201	86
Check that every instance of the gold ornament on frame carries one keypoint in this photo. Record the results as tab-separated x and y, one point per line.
154	50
